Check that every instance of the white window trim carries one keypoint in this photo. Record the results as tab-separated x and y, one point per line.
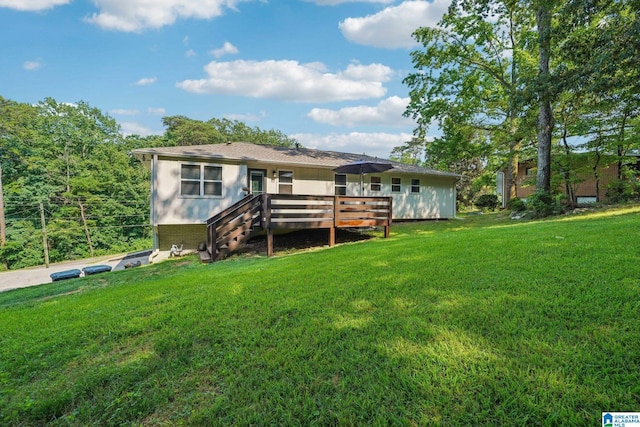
201	181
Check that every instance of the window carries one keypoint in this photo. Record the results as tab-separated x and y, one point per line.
285	182
200	180
415	185
395	185
530	171
340	185
586	200
376	183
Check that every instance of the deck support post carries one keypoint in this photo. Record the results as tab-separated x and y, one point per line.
332	230
266	222
269	241
387	228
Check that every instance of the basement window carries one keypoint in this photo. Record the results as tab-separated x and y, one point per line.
586	200
200	180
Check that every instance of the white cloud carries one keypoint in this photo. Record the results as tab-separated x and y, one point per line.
131	128
32	5
32	65
145	81
248	117
392	27
291	81
156	111
372	144
190	53
226	49
138	15
388	112
124	112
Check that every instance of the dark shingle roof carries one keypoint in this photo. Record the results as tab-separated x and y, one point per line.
243	151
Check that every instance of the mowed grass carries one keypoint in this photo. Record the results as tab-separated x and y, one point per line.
473	322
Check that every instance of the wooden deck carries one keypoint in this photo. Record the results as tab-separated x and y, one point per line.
229	228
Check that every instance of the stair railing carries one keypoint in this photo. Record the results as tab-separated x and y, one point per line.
232	226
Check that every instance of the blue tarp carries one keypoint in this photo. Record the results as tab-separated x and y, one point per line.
95	269
67	274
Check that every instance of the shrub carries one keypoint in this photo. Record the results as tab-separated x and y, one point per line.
516	205
624	190
486	201
543	204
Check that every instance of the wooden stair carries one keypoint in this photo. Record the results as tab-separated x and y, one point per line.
227	230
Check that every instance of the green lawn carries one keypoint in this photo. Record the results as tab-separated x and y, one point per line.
481	321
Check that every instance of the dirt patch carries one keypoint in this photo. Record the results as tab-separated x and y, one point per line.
302	240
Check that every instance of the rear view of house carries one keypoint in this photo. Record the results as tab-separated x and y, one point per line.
191	184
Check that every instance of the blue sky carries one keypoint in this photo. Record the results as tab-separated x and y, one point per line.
326	72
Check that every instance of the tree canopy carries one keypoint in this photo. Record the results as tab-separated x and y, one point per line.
518	77
184	131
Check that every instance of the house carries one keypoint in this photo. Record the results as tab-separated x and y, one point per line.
585	185
190	184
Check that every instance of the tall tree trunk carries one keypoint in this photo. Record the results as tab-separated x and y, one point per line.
514	145
545	115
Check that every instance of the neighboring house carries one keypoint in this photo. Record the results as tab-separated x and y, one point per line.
192	183
585	187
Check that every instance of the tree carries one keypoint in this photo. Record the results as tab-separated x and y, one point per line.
185	131
72	159
236	131
601	64
594	82
472	74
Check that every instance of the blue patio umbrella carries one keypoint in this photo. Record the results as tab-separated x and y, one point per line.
361	167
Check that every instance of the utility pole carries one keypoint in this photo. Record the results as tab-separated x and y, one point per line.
45	242
3	224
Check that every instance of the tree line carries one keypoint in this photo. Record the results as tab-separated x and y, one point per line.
71	186
541	80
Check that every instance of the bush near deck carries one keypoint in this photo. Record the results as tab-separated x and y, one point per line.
480	321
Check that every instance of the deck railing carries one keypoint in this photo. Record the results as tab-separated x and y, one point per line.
227	229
